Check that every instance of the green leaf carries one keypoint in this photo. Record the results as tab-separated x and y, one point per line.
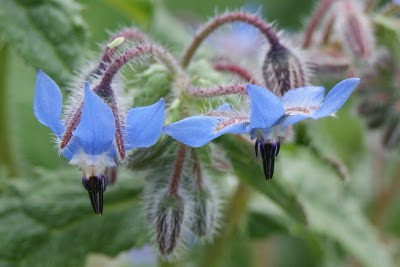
340	138
168	29
331	211
261	226
49	35
387	31
248	168
141	11
50	213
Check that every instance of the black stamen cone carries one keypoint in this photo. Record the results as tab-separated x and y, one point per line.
96	185
269	151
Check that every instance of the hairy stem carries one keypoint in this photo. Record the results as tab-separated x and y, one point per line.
178	170
216	22
218	90
217	252
104	90
237	70
318	15
129	34
145	49
6	157
197	169
327	31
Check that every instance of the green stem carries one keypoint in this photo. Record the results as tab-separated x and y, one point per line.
217	252
6	158
385	199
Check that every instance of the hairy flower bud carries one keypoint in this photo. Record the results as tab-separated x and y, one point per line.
169	223
206	213
168	209
355	29
283	70
205	203
169	217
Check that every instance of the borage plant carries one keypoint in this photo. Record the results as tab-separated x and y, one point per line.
97	130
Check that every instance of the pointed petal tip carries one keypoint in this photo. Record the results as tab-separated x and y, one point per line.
144	125
87	86
47	103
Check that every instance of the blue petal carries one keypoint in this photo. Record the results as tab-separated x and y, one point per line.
47	104
265	107
308	96
96	130
143	125
197	131
336	97
292	119
72	148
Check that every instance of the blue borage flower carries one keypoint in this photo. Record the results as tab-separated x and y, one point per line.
269	116
92	146
196	131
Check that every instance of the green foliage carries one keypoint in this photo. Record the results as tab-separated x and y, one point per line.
47	220
321	204
140	10
341	137
48	34
248	169
388	32
330	210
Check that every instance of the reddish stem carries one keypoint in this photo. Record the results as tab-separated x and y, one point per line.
197	169
104	90
76	118
265	28
318	15
328	30
150	49
178	170
217	90
236	69
129	34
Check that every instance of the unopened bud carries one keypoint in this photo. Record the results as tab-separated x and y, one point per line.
169	223
283	70
206	214
355	29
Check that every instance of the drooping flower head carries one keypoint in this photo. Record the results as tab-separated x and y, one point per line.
91	144
269	116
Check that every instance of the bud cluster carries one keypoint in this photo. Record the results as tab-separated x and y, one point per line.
184	208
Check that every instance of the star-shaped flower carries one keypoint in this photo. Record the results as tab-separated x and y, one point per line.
92	146
269	116
197	131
